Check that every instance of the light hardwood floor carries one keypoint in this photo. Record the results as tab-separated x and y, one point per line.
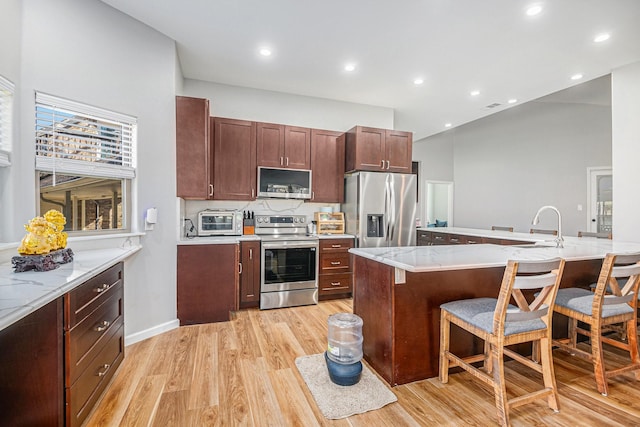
242	372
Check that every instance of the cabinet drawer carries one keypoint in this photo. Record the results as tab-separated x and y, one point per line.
439	238
86	297
88	337
471	240
335	283
335	263
82	396
335	245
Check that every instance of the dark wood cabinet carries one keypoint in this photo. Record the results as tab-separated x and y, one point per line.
31	369
429	238
327	166
335	278
281	146
372	149
234	143
249	274
423	238
94	340
207	282
193	149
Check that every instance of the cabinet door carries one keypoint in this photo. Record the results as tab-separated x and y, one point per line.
193	153
297	147
327	166
207	283
398	147
250	276
365	149
235	159
270	145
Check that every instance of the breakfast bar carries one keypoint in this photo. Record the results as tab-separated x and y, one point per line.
398	292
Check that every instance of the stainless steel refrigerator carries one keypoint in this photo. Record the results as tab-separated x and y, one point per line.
380	208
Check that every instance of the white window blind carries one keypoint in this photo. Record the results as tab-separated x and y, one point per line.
76	138
6	116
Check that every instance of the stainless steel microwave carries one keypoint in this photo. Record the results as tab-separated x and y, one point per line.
284	183
219	223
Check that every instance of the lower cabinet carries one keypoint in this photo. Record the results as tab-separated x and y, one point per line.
207	282
335	278
249	274
432	238
94	340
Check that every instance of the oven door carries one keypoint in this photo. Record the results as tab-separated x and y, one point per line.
289	265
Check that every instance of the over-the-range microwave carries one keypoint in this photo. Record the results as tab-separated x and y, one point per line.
219	223
284	183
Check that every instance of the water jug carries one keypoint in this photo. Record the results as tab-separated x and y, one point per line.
344	338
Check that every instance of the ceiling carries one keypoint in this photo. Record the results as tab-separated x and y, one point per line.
455	46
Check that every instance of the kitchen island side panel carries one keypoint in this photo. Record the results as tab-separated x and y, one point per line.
372	301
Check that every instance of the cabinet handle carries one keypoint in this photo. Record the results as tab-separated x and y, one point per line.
453	239
281	161
287	161
471	242
103	370
250	253
252	193
387	164
239	268
336	283
382	161
102	288
102	326
336	246
313	195
335	263
210	190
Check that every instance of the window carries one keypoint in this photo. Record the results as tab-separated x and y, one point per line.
85	162
6	115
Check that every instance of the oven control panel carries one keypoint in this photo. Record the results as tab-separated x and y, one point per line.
280	220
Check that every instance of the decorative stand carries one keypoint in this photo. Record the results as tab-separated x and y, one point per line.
45	262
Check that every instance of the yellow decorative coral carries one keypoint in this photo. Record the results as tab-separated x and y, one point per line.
44	234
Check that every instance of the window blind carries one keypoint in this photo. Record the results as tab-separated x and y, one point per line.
6	115
80	139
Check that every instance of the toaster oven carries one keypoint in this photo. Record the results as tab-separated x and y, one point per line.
219	223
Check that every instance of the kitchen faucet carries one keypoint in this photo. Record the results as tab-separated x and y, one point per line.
536	219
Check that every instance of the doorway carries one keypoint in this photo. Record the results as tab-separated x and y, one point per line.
600	200
438	203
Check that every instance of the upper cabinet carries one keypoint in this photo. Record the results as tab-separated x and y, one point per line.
193	153
281	146
327	166
372	149
234	143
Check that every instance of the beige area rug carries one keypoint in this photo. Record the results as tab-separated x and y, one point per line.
336	401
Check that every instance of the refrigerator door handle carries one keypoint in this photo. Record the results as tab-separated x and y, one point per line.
392	208
387	206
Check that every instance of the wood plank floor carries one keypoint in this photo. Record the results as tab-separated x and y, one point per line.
242	373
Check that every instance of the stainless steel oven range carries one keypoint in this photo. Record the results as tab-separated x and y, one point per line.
289	261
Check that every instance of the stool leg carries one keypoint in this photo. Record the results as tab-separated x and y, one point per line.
548	374
445	327
598	359
632	341
573	333
499	386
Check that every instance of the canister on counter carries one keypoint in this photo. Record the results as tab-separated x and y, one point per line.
248	223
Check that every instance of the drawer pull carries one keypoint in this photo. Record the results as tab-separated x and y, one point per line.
103	370
102	326
335	263
472	242
336	283
336	246
102	288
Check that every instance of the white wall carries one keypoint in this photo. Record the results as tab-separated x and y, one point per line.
625	98
86	51
275	107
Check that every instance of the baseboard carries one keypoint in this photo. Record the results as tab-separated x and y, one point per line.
151	332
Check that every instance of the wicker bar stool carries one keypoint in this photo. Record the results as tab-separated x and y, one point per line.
500	324
614	302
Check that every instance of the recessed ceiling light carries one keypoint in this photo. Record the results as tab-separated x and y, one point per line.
447	125
265	51
601	37
350	67
512	101
534	10
418	81
474	93
576	76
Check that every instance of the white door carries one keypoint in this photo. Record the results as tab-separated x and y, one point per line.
600	200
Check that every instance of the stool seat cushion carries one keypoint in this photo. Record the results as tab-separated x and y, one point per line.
479	312
581	300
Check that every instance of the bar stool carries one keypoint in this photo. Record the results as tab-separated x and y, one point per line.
601	310
500	324
599	235
542	231
501	228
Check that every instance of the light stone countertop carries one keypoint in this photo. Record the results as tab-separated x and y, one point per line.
418	259
23	293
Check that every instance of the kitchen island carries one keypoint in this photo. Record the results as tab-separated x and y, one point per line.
398	293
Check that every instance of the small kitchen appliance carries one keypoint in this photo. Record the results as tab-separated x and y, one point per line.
219	223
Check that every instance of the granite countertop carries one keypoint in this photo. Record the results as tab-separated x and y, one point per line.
23	293
418	259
